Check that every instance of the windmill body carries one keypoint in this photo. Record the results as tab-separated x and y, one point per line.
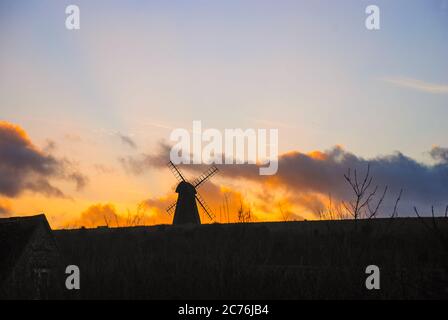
186	209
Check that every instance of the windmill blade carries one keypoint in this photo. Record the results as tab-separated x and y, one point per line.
204	206
205	176
171	208
176	172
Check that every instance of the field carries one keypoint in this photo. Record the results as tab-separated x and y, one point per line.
290	260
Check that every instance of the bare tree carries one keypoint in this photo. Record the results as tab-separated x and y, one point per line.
364	195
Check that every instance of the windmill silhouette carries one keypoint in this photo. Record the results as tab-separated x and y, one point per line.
185	208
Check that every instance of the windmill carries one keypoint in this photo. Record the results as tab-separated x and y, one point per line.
185	208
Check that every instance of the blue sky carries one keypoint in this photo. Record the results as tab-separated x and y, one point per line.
309	65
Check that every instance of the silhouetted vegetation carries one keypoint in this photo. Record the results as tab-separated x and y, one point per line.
292	260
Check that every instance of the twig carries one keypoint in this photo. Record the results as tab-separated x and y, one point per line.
396	205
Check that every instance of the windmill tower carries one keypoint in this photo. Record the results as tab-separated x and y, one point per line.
185	208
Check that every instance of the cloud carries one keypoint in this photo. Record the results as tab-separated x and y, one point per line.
138	164
79	179
99	215
418	85
50	146
41	185
5	207
106	214
310	174
24	167
126	140
157	206
439	154
212	194
307	179
3	210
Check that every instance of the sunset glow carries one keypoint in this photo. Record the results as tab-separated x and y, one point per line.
86	114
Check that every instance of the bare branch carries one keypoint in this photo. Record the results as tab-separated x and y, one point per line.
434	224
348	210
356	184
369	198
365	179
395	212
416	212
374	212
363	198
421	219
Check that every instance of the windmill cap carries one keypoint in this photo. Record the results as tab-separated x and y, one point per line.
185	187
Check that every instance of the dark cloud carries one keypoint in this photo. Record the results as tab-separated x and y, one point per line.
25	167
439	154
126	140
422	184
42	185
50	146
138	164
323	173
79	179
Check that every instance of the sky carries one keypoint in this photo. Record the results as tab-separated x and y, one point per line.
86	114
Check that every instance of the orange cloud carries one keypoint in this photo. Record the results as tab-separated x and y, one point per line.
14	132
317	155
5	207
107	215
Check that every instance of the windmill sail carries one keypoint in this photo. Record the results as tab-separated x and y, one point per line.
185	209
204	206
171	208
205	176
176	172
